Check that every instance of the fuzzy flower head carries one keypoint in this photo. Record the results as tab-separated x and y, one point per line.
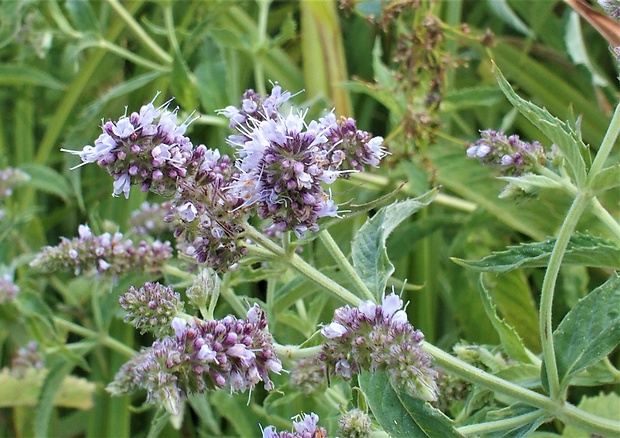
107	254
147	148
354	424
304	426
149	219
202	355
8	288
308	375
256	107
512	155
206	216
151	308
379	338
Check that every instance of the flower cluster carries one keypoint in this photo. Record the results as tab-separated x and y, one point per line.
151	308
512	154
10	178
308	375
255	107
304	426
284	161
146	148
106	254
149	219
379	338
27	357
354	424
202	355
8	289
453	390
612	7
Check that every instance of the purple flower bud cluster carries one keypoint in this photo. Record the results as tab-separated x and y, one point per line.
379	338
513	155
255	107
452	390
151	308
107	254
283	162
202	355
304	426
149	219
207	216
10	178
8	289
354	424
146	148
27	357
308	375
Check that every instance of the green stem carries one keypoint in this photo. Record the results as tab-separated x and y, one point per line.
606	146
139	32
563	411
261	38
130	56
605	217
295	352
496	426
548	288
344	264
104	339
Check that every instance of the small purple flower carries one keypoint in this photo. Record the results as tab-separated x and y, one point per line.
107	254
8	288
612	7
9	179
513	155
146	148
149	219
304	426
379	338
202	355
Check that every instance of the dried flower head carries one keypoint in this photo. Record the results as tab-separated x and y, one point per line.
151	308
304	426
202	355
308	375
106	254
354	424
379	338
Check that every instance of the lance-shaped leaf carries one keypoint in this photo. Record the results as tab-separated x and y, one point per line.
510	339
588	333
368	249
401	415
582	249
560	133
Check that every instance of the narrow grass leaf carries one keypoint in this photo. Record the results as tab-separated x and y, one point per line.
47	180
368	250
561	134
470	97
22	75
502	10
589	332
49	391
401	415
510	339
582	249
82	15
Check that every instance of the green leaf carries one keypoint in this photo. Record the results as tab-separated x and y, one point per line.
576	48
50	389
502	9
512	411
181	83
582	249
470	97
510	339
606	179
21	75
530	182
160	420
368	250
560	133
83	17
47	180
588	333
401	415
603	405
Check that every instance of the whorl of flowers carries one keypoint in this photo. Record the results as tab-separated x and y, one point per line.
8	288
452	390
151	308
149	219
206	216
513	155
284	161
308	375
304	426
106	254
202	355
146	148
354	424
379	338
10	178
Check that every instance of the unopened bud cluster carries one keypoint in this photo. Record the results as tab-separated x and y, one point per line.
354	424
304	426
202	355
151	308
308	375
149	219
511	154
106	254
379	338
